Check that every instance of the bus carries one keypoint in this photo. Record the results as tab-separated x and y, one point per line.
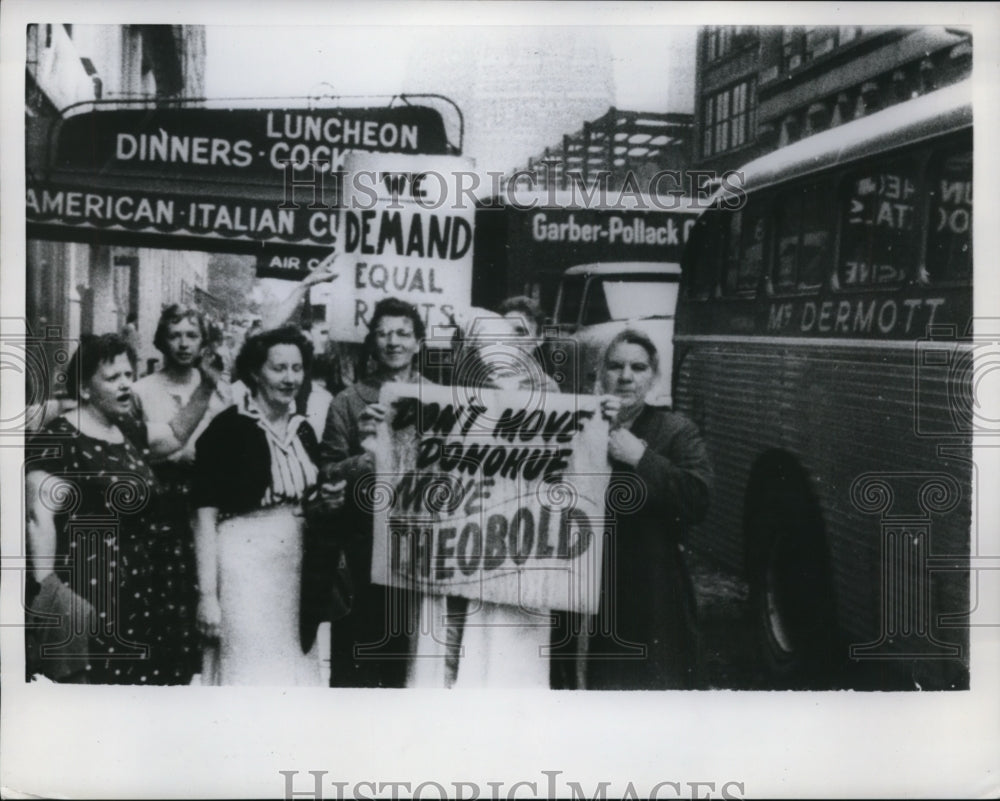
823	345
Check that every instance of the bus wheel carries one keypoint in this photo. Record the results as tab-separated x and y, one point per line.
787	611
776	608
791	596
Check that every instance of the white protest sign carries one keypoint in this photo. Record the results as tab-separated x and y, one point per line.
406	231
492	495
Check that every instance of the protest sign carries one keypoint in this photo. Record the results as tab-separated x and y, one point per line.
406	230
492	495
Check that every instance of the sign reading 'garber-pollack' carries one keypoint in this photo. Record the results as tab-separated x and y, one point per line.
406	230
491	495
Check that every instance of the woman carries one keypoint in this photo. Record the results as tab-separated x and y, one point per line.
528	319
187	379
489	644
370	645
94	524
255	466
661	477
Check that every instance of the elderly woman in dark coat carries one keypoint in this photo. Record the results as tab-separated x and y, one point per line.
645	632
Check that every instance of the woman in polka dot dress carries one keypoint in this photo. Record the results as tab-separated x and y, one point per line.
94	608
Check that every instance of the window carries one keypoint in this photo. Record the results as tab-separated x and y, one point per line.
752	252
747	240
792	44
704	254
596	309
803	237
848	33
633	297
816	251
787	237
820	41
740	112
571	299
709	116
800	45
732	252
879	224
721	133
721	40
949	243
728	118
718	41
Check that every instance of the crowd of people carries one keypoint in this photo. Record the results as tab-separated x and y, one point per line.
197	524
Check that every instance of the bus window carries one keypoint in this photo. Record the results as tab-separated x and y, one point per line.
815	250
731	275
879	239
745	250
752	251
949	244
787	236
707	249
803	239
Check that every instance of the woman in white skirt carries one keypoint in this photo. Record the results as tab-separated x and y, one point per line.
485	644
255	466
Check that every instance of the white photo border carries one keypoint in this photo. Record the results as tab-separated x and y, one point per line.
118	742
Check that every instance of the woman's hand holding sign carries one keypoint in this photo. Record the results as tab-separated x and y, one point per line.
610	406
626	447
368	421
623	445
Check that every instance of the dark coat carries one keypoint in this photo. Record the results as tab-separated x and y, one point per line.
369	646
646	637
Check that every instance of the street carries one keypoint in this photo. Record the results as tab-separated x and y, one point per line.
726	639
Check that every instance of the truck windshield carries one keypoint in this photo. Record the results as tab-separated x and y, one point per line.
625	297
570	299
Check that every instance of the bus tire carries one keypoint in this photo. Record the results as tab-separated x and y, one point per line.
792	609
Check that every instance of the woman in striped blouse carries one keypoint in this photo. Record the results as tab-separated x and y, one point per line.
255	465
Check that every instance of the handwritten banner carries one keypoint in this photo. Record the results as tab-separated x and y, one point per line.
406	230
492	495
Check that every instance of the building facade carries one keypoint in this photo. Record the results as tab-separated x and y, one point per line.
73	287
761	88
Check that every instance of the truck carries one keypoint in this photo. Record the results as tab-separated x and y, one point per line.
596	263
597	301
525	240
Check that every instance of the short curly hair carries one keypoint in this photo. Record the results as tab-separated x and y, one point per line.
172	314
631	336
393	307
254	352
526	306
93	351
